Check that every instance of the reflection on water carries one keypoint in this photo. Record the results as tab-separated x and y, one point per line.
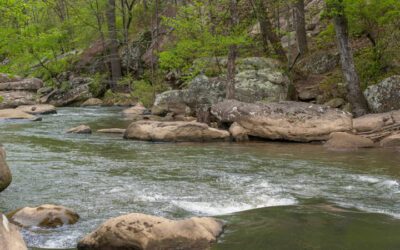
102	176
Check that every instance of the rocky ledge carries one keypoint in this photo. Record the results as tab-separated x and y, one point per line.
291	121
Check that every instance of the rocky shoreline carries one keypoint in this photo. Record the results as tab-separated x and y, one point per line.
184	116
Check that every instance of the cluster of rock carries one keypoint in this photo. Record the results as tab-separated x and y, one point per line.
16	91
77	91
257	79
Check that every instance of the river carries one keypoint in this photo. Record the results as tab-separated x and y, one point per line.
270	194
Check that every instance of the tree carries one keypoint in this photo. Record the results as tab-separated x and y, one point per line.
113	47
267	30
231	67
354	94
300	24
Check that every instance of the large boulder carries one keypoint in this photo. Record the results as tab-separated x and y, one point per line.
373	122
92	102
391	141
319	63
15	114
178	131
5	173
40	109
257	79
10	237
293	121
138	109
347	141
146	232
45	216
384	96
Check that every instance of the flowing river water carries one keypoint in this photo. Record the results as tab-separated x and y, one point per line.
271	195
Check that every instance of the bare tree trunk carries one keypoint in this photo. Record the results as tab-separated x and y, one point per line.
113	49
300	25
354	93
230	84
268	32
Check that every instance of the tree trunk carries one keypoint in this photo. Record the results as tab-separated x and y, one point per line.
113	48
230	84
300	23
268	32
354	94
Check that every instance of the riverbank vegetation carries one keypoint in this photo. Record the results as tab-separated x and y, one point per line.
146	47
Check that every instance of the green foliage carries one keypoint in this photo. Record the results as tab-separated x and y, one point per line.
1	99
98	85
326	37
198	36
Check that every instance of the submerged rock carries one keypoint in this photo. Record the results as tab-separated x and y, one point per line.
347	141
46	216
112	131
40	109
178	131
5	172
145	232
92	102
10	237
15	114
292	121
384	96
81	129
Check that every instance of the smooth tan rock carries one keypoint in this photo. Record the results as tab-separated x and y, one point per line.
46	216
174	132
92	102
40	109
112	131
292	121
391	141
15	114
135	110
346	141
10	237
5	172
238	132
81	129
372	122
146	232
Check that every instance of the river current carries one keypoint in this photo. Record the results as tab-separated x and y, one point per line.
102	176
